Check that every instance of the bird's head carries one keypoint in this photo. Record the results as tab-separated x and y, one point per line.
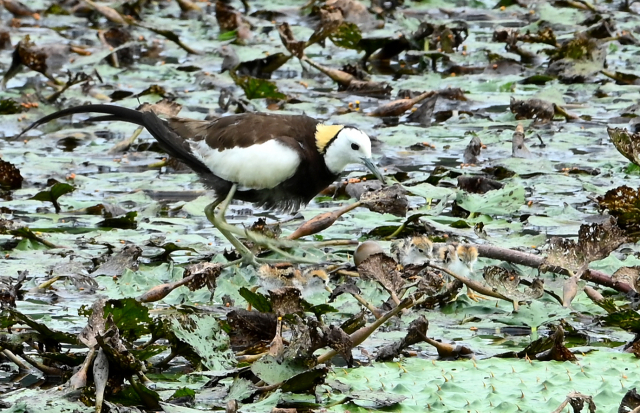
413	250
344	145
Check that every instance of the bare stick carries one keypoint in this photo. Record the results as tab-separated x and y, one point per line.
15	360
359	336
474	285
534	261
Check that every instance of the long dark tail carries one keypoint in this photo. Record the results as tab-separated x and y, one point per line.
116	112
173	144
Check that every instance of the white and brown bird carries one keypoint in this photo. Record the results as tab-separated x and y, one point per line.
461	260
416	250
278	162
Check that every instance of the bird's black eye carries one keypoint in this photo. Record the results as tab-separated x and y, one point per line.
355	146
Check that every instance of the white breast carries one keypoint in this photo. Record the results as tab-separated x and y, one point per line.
261	166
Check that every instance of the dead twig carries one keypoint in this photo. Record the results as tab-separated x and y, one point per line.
534	261
361	335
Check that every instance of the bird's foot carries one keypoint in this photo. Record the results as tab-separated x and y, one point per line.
276	246
475	297
248	257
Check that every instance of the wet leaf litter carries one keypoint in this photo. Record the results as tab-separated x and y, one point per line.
500	252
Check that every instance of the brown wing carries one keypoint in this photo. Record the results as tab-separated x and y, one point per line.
249	129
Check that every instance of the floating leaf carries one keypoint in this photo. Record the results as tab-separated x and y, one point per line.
206	338
348	35
9	107
259	88
128	221
55	192
259	301
131	317
376	400
499	202
273	371
625	319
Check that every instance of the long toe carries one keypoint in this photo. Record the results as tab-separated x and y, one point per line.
475	297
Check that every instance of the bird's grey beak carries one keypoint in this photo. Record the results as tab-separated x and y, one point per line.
369	164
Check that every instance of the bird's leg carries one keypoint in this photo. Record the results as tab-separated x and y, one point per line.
225	203
218	221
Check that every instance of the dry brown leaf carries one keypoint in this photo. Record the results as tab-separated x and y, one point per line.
383	269
506	283
627	143
10	177
340	341
391	200
295	47
559	352
623	203
537	109
286	300
330	20
595	242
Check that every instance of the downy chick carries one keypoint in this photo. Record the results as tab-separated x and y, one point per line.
413	250
468	255
308	281
461	260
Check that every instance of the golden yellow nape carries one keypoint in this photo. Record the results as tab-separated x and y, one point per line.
324	134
